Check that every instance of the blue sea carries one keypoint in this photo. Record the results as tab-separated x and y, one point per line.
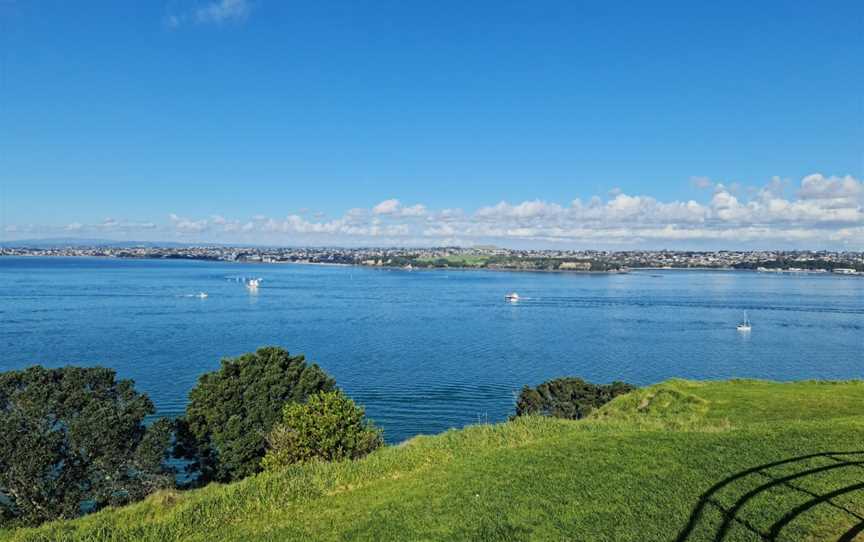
425	351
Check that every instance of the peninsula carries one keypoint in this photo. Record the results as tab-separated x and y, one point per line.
480	257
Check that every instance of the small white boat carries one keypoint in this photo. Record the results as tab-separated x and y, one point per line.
201	295
253	284
512	297
745	325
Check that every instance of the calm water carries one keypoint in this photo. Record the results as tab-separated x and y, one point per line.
426	350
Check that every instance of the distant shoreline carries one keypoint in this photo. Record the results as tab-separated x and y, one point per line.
688	269
323	264
326	264
432	268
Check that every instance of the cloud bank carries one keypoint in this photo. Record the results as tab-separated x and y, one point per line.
820	212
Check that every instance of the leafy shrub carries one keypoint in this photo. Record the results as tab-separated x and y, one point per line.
72	439
232	410
328	427
571	398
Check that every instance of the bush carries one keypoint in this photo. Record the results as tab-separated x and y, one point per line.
571	398
73	439
329	427
231	411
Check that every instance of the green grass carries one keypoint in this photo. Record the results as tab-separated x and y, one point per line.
640	469
460	261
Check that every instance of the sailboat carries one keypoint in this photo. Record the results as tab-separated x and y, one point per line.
745	325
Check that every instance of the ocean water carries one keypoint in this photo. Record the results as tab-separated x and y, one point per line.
425	351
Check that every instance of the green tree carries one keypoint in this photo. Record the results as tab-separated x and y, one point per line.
73	439
571	398
231	411
328	427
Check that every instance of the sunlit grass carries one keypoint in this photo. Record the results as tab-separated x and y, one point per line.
460	261
635	470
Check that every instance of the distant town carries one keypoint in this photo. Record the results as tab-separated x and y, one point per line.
482	257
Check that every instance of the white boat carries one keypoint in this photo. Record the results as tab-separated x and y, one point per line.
745	325
253	284
512	297
201	295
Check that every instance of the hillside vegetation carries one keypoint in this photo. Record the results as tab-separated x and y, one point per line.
735	461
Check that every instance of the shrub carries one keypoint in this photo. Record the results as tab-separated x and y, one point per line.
73	439
232	410
571	398
328	427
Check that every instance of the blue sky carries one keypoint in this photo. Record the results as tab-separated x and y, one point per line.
288	123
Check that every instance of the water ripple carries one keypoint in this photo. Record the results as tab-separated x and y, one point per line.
425	351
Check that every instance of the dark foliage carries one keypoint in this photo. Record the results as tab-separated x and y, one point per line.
73	439
570	398
231	411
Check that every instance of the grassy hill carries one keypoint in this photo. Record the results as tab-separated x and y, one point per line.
734	461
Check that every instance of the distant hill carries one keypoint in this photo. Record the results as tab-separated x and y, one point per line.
77	242
686	461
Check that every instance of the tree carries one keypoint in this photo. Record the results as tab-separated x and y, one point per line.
328	427
231	411
73	439
571	398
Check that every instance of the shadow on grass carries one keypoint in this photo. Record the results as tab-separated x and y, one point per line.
730	514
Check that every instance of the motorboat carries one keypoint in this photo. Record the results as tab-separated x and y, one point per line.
512	297
201	295
253	284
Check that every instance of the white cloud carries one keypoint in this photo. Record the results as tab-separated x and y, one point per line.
442	230
174	21
527	210
414	210
822	212
445	215
218	12
847	190
701	182
774	189
224	10
393	207
386	207
187	226
107	226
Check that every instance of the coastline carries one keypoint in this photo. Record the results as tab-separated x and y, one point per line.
432	268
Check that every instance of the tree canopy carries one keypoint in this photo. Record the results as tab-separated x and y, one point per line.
73	439
570	397
328	427
232	410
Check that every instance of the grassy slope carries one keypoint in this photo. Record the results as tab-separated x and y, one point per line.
634	472
461	261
